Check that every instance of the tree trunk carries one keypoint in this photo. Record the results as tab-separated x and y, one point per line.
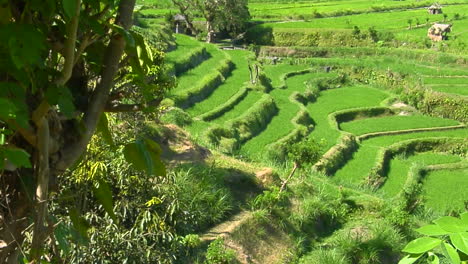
191	26
210	34
283	186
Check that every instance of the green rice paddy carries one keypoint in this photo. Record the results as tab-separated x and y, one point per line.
393	123
339	99
400	166
445	190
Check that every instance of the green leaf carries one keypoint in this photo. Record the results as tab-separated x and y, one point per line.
7	109
79	223
145	156
421	245
69	7
65	102
61	234
433	258
18	157
132	154
451	224
20	37
460	241
431	230
103	128
409	259
452	253
464	219
103	194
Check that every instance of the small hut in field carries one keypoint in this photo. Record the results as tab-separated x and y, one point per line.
180	23
435	9
438	32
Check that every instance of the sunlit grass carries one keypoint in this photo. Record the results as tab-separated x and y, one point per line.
392	123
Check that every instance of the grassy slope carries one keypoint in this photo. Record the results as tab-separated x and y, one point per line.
399	167
391	123
338	99
356	169
281	124
240	108
233	83
191	77
446	190
276	72
184	45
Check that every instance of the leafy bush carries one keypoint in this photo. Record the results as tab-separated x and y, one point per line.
337	155
217	253
324	256
378	243
449	234
176	116
269	200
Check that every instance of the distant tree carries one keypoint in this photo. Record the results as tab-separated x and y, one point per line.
427	21
302	153
445	17
373	34
410	23
230	15
356	32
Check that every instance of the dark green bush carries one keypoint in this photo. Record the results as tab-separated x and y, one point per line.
176	116
217	253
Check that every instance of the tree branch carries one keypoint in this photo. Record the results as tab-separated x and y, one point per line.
100	96
42	192
70	44
69	55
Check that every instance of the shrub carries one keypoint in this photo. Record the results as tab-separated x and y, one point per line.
324	256
217	253
337	155
447	233
255	118
378	243
176	116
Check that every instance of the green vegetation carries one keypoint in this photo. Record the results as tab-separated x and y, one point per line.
444	190
392	123
303	132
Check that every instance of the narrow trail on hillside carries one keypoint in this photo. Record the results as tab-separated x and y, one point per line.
226	228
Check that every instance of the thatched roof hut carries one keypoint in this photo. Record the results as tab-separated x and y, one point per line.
180	23
435	9
438	32
179	18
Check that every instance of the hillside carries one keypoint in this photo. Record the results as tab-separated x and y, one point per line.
234	131
388	113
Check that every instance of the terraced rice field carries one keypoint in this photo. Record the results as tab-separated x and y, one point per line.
392	123
354	170
400	165
445	190
339	99
237	79
281	124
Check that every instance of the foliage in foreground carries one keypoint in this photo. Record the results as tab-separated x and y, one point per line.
446	238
